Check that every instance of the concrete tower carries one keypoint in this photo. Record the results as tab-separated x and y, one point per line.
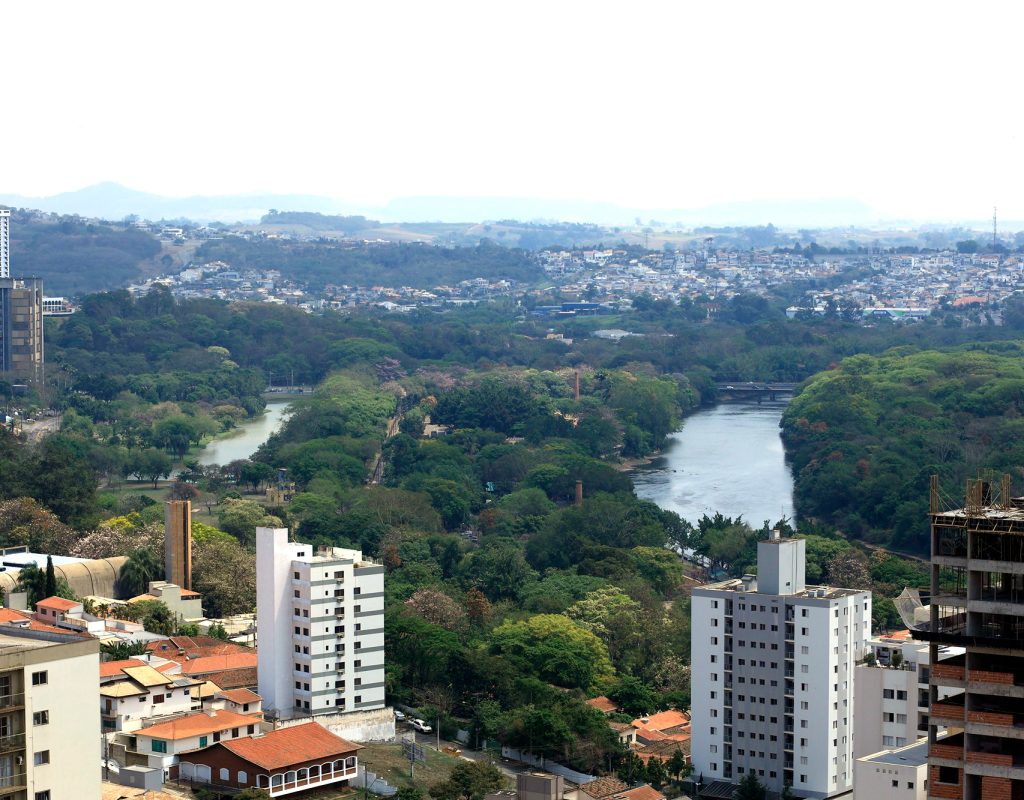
178	543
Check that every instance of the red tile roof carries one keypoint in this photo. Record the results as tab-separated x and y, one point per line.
197	724
603	704
662	720
59	603
206	665
10	616
604	787
644	792
294	745
237	678
241	696
110	669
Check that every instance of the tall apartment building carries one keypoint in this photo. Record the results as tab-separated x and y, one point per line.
5	243
49	745
319	627
892	694
21	327
977	602
773	676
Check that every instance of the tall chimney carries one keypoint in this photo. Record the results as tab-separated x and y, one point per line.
579	493
577	386
178	543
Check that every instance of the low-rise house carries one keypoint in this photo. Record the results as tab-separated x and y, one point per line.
142	692
68	614
160	745
280	762
603	704
601	788
184	604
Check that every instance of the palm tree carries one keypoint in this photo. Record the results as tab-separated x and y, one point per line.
141	567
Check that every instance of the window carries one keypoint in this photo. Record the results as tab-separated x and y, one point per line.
250	729
296	593
41	718
295	575
895	784
158	698
243	778
203	741
159	746
357	699
224	774
43	795
42	757
949	775
357	590
39	678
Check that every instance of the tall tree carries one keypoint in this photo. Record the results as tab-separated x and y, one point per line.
50	587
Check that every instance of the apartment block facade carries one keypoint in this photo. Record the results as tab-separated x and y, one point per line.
976	724
21	327
773	676
320	628
49	734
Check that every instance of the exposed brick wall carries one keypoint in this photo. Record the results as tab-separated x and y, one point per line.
984	676
948	711
996	759
996	788
990	718
945	790
946	751
949	671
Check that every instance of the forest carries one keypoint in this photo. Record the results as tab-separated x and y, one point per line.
508	604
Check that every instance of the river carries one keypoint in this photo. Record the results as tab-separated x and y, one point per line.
247	437
729	459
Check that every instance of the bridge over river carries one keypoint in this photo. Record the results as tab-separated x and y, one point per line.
755	390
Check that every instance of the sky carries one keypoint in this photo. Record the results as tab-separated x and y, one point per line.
910	107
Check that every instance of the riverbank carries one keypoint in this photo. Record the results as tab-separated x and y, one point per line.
245	439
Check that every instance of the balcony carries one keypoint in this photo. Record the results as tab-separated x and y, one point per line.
9	702
9	784
950	748
990	755
294	780
13	742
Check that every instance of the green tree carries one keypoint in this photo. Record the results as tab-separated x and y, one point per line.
469	781
150	464
555	649
750	788
142	566
50	586
656	773
119	650
634	696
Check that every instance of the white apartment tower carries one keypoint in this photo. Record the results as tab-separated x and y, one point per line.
773	676
49	742
5	243
319	627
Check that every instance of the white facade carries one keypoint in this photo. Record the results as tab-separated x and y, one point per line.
892	699
900	774
773	677
5	243
48	731
320	628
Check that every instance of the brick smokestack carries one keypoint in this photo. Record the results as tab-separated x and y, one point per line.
579	493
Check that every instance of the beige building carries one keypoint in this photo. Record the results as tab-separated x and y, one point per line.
49	748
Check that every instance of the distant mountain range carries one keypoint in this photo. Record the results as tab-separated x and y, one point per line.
113	201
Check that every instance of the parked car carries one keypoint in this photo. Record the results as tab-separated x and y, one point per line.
399	716
420	725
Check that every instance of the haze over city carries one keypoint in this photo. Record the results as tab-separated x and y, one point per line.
899	112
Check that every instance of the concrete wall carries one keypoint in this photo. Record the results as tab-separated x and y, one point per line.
375	725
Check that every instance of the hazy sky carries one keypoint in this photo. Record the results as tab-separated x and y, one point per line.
912	107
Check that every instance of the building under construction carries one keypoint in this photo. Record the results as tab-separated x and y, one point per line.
977	602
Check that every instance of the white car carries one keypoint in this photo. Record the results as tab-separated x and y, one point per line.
420	725
399	716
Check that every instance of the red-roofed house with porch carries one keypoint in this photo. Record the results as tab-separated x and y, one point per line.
280	762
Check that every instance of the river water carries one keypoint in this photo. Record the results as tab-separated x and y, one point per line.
247	437
729	459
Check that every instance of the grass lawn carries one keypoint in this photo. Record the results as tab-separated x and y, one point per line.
387	761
